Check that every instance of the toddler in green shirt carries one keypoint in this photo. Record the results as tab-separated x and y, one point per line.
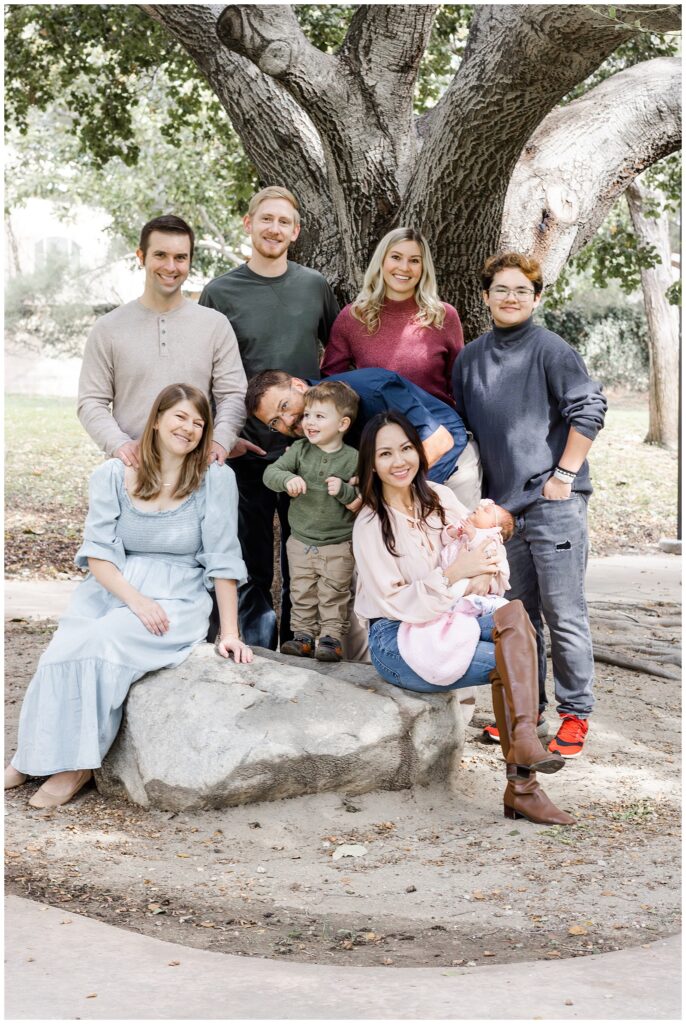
315	473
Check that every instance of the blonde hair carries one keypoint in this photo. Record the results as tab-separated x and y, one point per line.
367	306
275	192
149	476
340	394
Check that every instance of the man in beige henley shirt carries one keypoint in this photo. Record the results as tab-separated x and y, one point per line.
160	339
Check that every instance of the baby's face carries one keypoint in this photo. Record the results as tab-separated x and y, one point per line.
484	517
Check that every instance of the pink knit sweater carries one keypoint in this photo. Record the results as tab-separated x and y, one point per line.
424	355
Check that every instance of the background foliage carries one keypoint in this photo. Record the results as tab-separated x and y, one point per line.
613	341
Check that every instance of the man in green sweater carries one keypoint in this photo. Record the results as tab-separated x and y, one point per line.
315	472
281	312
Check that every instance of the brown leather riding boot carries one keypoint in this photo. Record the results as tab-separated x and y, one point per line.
524	798
516	678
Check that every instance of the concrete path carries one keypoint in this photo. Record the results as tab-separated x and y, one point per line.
631	579
63	966
619	578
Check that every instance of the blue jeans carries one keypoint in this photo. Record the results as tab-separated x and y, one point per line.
386	658
548	554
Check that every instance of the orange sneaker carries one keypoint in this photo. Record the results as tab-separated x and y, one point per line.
490	732
329	649
571	736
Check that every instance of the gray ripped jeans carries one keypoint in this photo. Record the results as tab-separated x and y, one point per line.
548	554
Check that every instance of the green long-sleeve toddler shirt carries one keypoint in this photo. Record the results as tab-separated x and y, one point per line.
316	517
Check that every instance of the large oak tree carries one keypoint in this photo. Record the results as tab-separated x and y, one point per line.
497	160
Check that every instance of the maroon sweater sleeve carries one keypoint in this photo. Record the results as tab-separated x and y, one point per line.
337	354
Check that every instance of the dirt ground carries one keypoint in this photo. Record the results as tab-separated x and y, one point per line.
444	879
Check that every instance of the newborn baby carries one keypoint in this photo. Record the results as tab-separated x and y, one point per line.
487	520
440	651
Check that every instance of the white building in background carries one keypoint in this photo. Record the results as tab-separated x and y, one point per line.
34	235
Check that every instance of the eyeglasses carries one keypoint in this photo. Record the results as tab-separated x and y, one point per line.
500	292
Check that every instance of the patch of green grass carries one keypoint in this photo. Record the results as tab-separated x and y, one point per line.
48	454
635	484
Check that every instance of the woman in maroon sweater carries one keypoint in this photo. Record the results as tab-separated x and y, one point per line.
397	321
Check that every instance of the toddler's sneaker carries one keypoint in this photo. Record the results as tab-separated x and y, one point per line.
570	736
329	649
301	646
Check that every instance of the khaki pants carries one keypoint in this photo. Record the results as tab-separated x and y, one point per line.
466	481
356	643
320	587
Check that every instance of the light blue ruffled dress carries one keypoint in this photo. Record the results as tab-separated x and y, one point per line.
73	706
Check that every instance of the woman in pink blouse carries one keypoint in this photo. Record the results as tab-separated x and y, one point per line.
397	545
397	322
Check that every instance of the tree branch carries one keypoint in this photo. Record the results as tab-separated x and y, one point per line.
278	136
520	61
269	35
584	155
385	44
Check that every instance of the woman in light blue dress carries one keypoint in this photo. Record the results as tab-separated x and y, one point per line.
155	539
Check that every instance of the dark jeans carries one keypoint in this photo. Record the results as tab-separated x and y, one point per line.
256	508
548	554
391	666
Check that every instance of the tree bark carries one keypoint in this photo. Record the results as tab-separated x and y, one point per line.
584	155
663	320
360	101
520	61
338	129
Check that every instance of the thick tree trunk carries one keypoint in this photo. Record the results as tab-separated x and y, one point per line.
584	155
663	320
338	129
520	61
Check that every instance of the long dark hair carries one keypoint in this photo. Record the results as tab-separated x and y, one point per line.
371	488
149	480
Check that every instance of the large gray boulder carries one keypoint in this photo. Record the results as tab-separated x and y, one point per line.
210	733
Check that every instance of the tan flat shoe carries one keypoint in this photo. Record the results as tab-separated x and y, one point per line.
44	797
13	778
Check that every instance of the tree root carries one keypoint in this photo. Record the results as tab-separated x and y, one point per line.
650	667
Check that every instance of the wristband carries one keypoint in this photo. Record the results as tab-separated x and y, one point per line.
564	475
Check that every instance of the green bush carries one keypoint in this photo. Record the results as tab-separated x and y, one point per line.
612	341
